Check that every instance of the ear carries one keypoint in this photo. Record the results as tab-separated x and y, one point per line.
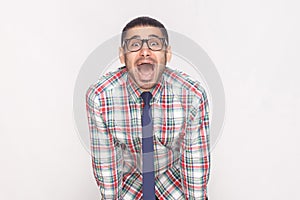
121	55
168	53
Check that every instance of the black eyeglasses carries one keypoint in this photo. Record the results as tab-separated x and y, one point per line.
154	44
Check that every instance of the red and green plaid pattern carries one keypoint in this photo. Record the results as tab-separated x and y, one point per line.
181	136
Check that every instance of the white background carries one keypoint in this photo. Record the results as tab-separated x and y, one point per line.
254	45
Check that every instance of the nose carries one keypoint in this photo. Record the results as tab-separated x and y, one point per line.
145	51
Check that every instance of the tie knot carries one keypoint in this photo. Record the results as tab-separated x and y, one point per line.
146	96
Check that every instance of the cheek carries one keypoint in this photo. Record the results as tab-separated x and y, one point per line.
161	57
129	59
127	62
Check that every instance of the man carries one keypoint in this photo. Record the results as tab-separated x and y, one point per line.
149	124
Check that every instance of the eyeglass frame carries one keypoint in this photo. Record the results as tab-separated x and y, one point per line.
125	43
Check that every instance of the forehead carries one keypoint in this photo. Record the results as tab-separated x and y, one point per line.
143	32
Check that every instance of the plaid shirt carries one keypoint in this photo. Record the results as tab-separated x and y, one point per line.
181	136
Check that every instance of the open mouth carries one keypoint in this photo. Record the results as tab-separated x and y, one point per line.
145	68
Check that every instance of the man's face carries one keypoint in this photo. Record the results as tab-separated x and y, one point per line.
145	66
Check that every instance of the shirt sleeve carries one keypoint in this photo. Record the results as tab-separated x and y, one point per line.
195	157
105	154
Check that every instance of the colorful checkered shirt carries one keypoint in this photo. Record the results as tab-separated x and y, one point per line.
181	136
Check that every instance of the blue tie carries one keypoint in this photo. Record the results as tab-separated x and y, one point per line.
147	147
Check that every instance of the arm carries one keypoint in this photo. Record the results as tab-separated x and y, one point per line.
195	158
105	155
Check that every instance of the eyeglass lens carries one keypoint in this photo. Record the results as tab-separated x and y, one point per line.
154	44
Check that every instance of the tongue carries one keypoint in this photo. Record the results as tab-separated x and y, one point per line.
145	68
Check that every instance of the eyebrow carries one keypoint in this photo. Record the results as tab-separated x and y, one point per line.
138	36
134	37
153	35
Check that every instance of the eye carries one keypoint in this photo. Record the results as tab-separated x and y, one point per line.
134	43
155	43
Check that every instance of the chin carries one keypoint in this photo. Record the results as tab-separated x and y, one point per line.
147	86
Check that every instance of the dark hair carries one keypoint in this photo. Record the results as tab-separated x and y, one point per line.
144	21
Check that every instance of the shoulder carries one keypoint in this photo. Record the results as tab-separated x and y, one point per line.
183	82
108	82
